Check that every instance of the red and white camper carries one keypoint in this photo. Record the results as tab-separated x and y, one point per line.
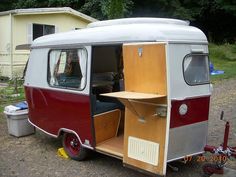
136	89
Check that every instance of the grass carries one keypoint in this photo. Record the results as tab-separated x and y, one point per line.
8	95
224	58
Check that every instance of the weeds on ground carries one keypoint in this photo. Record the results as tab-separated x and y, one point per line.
13	93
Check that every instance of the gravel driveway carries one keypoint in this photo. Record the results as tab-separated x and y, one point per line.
36	155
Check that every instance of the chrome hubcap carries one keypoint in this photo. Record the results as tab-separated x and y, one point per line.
74	143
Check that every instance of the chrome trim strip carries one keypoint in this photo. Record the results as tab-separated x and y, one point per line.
50	134
191	97
54	46
64	90
64	129
167	51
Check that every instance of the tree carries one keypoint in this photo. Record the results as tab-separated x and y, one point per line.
6	5
29	4
117	8
75	4
228	6
217	20
93	8
107	9
182	9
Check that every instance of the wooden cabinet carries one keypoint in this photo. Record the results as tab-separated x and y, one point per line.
145	98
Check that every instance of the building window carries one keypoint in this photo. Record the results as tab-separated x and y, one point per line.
196	69
41	30
67	68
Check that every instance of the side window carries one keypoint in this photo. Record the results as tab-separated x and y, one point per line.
196	69
67	68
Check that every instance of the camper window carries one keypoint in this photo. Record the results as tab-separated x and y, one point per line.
196	69
67	68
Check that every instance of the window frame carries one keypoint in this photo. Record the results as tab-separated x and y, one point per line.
48	69
196	54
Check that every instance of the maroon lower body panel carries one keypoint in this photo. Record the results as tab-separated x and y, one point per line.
51	110
198	110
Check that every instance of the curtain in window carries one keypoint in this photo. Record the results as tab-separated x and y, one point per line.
53	62
82	60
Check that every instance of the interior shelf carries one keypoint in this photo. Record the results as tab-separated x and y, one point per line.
113	146
133	95
141	104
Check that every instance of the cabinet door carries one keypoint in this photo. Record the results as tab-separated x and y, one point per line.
145	145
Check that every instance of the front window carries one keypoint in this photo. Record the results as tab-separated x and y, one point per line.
67	68
196	69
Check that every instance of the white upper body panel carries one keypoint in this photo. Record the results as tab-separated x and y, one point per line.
37	71
128	30
179	89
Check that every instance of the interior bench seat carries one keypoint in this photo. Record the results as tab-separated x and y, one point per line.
102	107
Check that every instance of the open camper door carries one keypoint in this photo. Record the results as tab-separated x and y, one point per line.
145	98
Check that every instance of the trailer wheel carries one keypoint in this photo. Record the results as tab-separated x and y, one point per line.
73	148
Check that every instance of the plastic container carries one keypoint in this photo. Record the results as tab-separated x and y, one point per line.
17	123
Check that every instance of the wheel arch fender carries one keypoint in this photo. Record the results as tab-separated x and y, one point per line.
66	130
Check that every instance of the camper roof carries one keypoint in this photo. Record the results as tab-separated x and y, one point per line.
127	30
138	21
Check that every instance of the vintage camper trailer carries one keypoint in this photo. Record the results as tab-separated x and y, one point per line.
136	89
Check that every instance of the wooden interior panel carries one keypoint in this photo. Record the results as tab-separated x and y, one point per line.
152	129
145	73
106	125
145	109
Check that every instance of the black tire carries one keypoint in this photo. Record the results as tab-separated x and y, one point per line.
73	148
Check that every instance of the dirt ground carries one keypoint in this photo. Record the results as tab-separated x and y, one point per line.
36	155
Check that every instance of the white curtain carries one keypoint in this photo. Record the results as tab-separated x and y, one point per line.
54	57
82	60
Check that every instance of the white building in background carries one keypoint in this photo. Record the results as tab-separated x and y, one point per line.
22	26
